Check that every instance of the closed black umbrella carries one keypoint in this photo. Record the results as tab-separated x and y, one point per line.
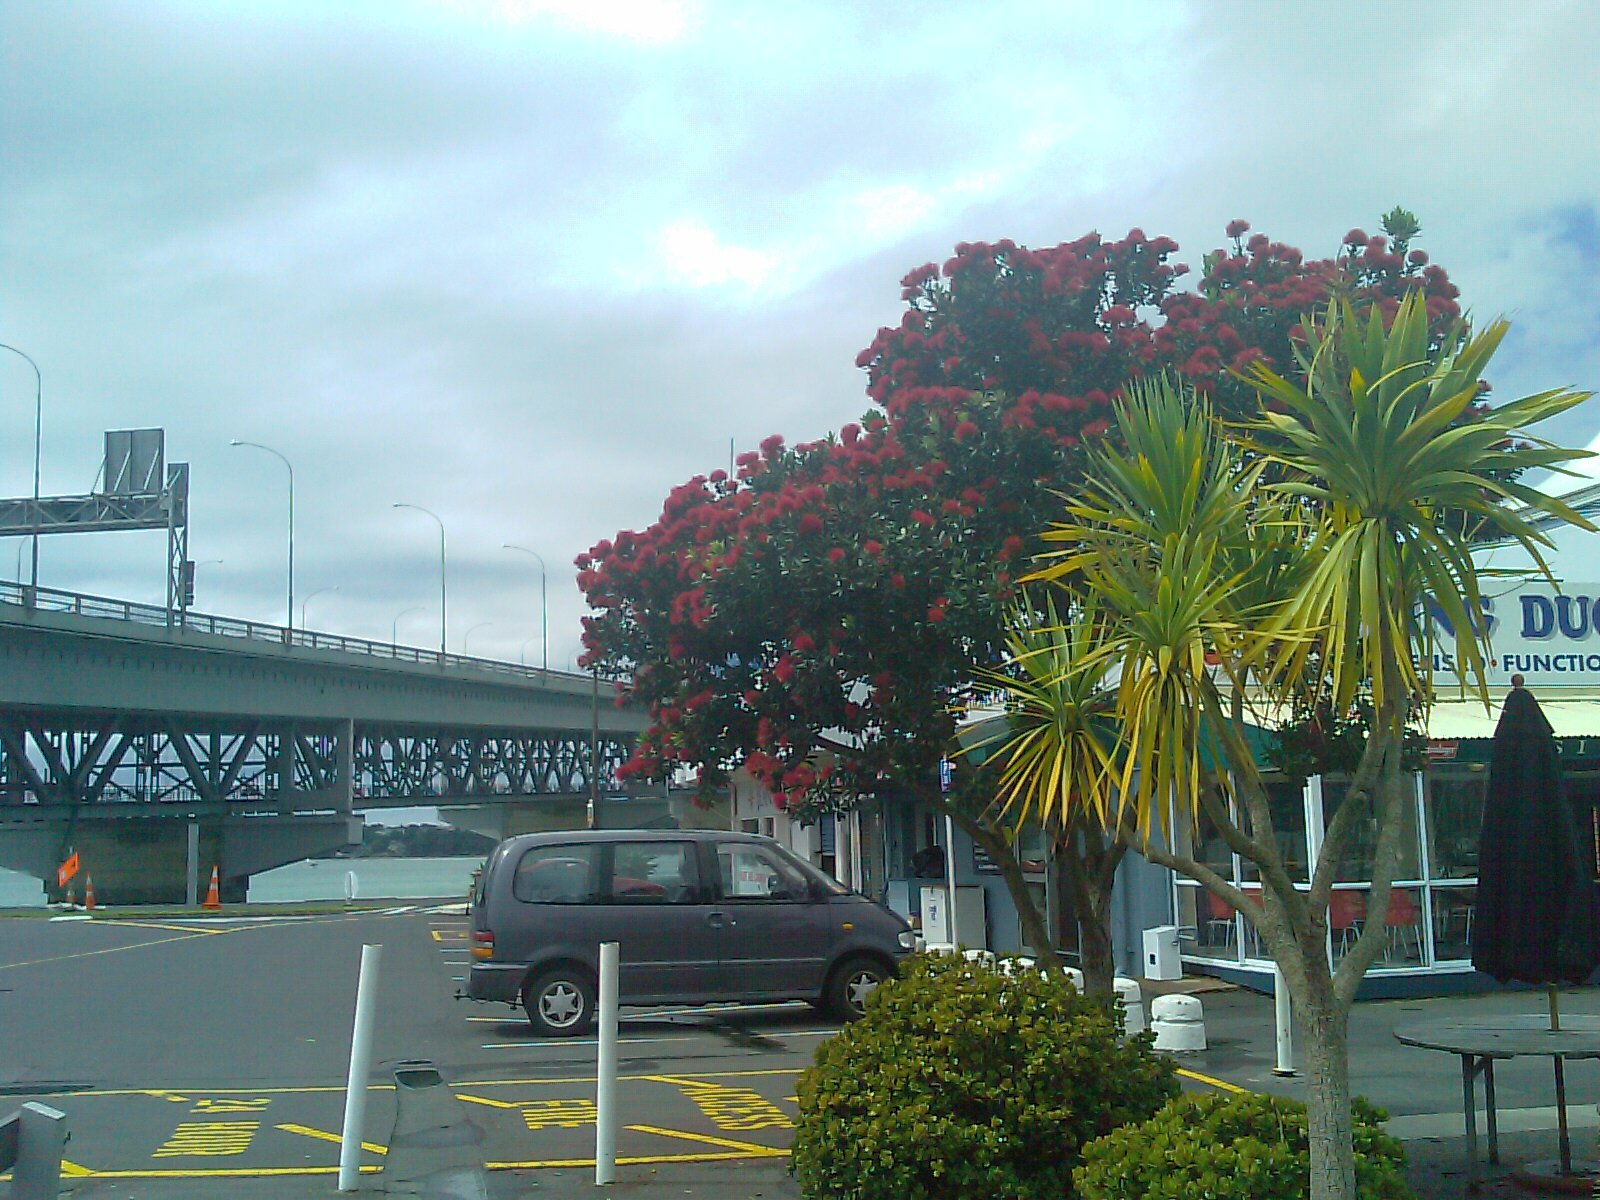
1535	919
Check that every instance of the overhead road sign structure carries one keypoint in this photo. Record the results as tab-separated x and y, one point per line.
140	490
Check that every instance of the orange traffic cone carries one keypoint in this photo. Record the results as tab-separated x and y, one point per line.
212	899
88	893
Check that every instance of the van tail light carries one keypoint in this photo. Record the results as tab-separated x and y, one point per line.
482	944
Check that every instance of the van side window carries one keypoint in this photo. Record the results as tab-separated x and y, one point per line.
653	873
556	875
751	872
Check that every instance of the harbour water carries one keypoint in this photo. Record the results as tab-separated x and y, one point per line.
315	879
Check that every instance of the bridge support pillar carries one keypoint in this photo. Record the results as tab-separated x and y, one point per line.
148	861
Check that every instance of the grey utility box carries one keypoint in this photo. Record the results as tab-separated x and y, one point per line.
1161	958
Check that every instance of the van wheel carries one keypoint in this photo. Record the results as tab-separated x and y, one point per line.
560	1002
851	983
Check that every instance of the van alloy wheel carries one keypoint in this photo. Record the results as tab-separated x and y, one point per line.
851	985
560	1003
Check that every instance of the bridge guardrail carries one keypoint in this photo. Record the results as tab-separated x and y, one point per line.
83	605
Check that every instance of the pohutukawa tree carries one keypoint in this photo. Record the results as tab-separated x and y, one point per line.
1208	569
821	616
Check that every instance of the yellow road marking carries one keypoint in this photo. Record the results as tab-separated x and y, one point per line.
486	1102
68	1167
440	935
208	1139
732	1108
324	1136
156	925
231	1104
191	933
163	1094
37	962
752	1148
1216	1083
559	1114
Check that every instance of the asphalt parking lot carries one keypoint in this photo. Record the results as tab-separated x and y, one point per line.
187	1051
209	1049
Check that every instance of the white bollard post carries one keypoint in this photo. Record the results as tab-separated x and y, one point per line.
1285	1022
355	1093
605	1097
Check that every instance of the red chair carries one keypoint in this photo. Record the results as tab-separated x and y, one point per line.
1219	918
1347	912
1403	916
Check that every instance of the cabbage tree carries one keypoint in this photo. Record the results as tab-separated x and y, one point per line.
1286	562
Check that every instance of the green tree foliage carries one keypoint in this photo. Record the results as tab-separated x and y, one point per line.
1228	1146
962	1081
1280	566
820	618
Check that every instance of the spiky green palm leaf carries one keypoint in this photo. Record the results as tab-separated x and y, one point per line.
1054	742
1163	536
1375	445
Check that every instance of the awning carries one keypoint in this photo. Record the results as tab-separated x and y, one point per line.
1462	719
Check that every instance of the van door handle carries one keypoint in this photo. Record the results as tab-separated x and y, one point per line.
718	919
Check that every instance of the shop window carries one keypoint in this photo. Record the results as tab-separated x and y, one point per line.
1355	864
1287	801
1207	925
1197	835
1404	943
1454	799
1452	922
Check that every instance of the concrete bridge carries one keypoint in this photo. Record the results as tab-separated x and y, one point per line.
158	749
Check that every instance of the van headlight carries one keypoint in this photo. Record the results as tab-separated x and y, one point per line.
908	939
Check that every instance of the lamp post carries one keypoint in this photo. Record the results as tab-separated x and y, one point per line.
443	594
309	599
544	605
288	466
522	650
394	630
467	637
38	431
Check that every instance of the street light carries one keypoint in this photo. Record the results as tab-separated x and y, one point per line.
522	650
466	637
290	468
38	431
309	599
443	623
544	605
394	630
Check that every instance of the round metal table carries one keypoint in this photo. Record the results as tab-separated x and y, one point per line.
1479	1043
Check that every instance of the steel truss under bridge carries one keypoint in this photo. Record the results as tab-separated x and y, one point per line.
76	758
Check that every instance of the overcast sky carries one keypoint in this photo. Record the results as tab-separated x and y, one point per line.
530	263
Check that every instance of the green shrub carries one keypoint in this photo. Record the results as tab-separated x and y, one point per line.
1232	1147
964	1082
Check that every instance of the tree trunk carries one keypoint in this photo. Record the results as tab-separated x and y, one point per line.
1095	957
1328	1124
1088	871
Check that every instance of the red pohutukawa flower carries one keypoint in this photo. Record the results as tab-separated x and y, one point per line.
985	398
